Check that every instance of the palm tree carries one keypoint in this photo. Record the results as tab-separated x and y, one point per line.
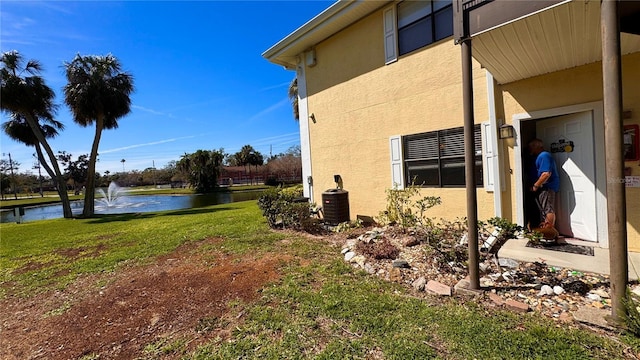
97	91
18	129
122	161
293	96
29	100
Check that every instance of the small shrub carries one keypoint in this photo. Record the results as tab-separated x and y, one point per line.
282	210
632	312
382	249
272	181
404	211
348	226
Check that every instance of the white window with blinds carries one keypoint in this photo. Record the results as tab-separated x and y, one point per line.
436	159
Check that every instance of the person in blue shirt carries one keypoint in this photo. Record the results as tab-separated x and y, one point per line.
547	183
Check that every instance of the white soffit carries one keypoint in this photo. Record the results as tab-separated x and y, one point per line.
335	18
560	38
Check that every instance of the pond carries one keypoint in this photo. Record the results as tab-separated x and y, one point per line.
137	203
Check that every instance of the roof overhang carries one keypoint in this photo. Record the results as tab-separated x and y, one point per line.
335	18
561	36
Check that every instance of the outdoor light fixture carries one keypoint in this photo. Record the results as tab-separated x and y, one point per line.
506	132
338	180
313	118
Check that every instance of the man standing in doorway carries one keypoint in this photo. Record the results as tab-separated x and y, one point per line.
547	184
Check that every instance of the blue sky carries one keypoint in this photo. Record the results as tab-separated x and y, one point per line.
200	79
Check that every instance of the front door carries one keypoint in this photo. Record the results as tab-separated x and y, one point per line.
570	140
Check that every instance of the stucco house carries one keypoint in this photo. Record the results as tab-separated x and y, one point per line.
381	102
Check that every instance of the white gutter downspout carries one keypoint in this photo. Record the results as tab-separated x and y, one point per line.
305	139
498	168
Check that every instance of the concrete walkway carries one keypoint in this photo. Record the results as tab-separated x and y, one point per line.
599	263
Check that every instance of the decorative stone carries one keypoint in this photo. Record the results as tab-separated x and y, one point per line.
369	268
349	255
484	267
400	263
600	292
517	306
463	287
419	283
594	297
395	274
497	299
558	290
410	241
359	259
438	288
545	290
345	250
508	263
592	316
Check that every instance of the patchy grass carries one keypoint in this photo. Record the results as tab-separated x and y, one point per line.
41	255
321	308
329	311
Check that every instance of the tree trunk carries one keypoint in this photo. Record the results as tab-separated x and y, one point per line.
61	185
90	188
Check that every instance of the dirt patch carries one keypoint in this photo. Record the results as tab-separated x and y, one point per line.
169	299
31	266
83	251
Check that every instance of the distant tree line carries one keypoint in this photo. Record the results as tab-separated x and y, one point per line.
203	170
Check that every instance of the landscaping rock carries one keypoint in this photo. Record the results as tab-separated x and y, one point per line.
359	259
419	283
517	306
463	287
558	290
594	297
410	241
592	316
395	274
400	263
438	288
345	250
600	292
508	263
349	255
545	290
370	268
497	299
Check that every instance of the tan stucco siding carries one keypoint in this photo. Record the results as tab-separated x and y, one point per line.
578	86
359	102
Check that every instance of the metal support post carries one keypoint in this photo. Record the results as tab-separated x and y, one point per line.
469	164
614	168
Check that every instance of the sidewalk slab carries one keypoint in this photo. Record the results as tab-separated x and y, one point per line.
599	263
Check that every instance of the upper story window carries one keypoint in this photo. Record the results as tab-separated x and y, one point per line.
421	23
415	24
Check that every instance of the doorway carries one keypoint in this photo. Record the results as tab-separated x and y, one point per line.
569	139
573	137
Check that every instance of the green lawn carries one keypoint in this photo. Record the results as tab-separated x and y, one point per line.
321	308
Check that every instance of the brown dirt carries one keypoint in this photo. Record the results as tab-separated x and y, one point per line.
179	296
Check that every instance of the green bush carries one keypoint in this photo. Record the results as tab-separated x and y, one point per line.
405	209
282	210
632	314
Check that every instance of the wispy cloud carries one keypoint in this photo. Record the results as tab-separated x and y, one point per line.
145	144
151	111
274	87
269	109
